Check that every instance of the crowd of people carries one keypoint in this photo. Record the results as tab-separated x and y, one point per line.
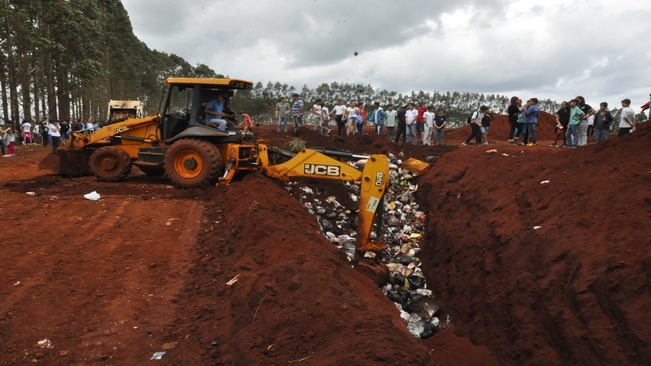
418	125
575	121
47	133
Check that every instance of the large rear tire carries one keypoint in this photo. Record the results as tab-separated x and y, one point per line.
110	164
191	163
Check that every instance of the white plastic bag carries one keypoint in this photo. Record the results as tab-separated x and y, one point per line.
93	196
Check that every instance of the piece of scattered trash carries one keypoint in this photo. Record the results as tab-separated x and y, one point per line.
232	281
17	283
169	222
544	182
158	355
492	151
45	343
537	227
31	194
93	196
505	154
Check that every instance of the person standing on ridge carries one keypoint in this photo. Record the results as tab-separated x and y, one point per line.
391	115
532	112
602	121
475	124
627	121
282	114
297	112
513	111
420	121
583	124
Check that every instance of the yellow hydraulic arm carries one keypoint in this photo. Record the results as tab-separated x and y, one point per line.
374	180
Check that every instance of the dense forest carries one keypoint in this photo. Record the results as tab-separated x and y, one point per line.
62	59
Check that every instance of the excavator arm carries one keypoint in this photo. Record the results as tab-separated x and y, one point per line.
373	179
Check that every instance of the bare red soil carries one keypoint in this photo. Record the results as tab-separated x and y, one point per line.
146	268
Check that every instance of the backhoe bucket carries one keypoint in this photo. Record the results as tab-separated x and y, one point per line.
67	162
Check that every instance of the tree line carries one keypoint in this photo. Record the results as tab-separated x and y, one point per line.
62	59
260	101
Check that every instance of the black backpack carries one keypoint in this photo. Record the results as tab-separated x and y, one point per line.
470	116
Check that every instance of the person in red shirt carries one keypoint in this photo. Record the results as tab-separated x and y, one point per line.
420	120
248	122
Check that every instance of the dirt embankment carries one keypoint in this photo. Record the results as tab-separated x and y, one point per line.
574	291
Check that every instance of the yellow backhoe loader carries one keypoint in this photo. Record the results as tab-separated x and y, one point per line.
193	152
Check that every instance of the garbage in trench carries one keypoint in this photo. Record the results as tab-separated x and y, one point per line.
402	227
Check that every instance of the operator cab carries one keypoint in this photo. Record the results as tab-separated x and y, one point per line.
184	111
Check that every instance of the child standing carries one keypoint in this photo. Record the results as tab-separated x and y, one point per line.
576	114
439	126
10	138
429	125
326	118
485	125
361	118
248	122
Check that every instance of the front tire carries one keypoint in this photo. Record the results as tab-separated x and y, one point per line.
191	163
110	164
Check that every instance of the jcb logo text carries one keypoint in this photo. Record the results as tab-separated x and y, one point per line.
317	169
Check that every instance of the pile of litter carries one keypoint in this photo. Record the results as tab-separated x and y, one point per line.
402	228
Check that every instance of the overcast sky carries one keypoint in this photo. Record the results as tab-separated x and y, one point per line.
556	49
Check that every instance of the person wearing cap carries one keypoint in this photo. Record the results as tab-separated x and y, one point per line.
513	111
282	112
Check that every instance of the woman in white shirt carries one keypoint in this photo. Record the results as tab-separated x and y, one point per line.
350	116
339	109
55	133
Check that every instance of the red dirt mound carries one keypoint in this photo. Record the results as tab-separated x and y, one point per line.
573	291
500	127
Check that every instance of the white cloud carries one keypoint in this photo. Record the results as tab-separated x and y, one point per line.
556	49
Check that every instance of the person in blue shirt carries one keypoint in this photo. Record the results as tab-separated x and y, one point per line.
531	113
218	113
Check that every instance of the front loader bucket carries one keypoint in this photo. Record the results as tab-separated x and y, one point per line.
67	162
